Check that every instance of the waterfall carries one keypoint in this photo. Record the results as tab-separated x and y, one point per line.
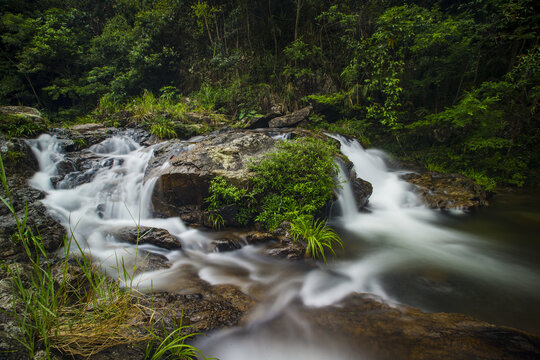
115	196
403	234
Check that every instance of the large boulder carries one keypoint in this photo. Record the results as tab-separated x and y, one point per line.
20	165
21	121
447	191
17	156
38	221
201	306
362	190
183	185
291	119
260	121
185	170
25	111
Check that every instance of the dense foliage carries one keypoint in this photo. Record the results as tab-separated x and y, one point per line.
453	84
296	180
294	184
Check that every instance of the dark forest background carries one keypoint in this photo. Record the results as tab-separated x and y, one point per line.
454	85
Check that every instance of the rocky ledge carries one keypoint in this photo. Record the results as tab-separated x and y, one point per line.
381	331
447	191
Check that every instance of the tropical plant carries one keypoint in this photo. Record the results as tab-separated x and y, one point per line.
297	179
320	238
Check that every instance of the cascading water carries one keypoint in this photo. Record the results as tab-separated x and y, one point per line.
403	234
396	241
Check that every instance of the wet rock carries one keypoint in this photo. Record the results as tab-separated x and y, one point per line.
362	190
65	167
18	170
18	158
85	135
227	241
282	244
200	305
79	137
386	332
288	249
10	348
158	237
447	191
134	351
41	224
257	237
149	261
21	194
291	119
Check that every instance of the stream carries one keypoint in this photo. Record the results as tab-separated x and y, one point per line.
483	264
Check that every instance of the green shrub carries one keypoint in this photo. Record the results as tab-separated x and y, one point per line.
224	194
293	183
162	127
297	179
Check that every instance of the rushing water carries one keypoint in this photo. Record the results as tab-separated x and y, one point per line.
399	251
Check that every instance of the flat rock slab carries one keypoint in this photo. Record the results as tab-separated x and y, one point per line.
384	332
145	235
447	191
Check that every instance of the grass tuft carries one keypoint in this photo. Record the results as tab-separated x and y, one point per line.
319	236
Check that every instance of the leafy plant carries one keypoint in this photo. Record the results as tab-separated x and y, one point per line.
20	125
172	344
298	178
216	219
320	238
163	128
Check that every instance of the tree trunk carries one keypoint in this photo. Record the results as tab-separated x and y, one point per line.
248	31
298	6
209	33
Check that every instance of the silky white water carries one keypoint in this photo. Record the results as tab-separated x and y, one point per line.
397	236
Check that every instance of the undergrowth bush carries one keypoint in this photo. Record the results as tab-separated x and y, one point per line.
14	125
165	116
